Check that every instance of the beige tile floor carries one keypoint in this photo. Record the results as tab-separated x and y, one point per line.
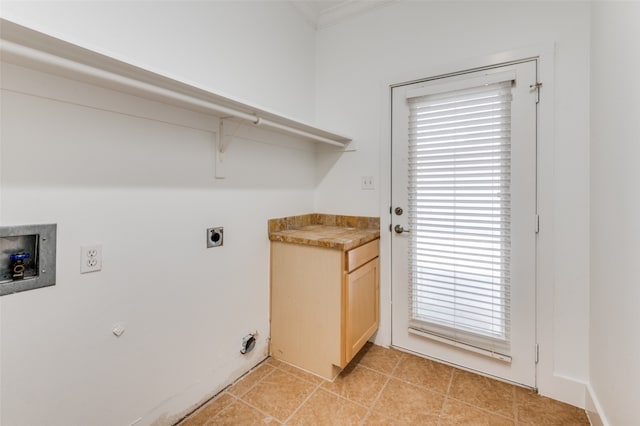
380	387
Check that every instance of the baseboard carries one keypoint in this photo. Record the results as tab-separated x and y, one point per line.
561	388
593	408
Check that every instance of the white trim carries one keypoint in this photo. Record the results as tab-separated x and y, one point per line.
335	14
383	335
550	382
594	408
306	12
348	9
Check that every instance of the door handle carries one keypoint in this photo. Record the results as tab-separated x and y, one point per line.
399	229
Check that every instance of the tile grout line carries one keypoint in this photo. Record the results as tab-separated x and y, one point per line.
446	397
478	407
377	398
260	410
241	398
485	410
374	370
359	404
407	381
269	415
282	370
235	399
255	384
322	379
302	403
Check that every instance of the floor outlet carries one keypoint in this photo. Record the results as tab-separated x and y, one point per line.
90	259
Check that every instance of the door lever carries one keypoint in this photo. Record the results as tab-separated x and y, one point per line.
399	229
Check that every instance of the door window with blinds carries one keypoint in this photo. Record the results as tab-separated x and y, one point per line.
463	235
459	199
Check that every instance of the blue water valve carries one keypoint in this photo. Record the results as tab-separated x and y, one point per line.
19	256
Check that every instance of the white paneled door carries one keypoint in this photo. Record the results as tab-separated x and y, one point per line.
464	219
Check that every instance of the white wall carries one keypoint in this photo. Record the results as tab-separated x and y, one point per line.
357	61
615	209
137	177
261	52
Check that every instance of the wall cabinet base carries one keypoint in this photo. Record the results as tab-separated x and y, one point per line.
322	313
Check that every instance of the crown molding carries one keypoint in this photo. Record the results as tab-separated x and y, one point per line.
348	9
331	16
305	11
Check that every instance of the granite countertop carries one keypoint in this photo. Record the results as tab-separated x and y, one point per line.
322	230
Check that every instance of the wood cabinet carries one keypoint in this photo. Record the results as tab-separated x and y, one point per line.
324	304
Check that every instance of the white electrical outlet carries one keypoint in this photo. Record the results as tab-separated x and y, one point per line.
367	182
90	259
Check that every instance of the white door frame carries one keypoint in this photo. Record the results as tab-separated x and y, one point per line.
549	383
521	367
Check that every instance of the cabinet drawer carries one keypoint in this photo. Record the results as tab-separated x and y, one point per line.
361	255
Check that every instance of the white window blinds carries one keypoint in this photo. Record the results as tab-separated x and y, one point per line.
459	216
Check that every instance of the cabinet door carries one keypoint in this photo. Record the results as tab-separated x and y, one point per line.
361	307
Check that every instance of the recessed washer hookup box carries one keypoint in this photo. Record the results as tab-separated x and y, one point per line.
27	257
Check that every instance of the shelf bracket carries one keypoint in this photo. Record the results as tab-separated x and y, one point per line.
226	139
223	140
219	156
